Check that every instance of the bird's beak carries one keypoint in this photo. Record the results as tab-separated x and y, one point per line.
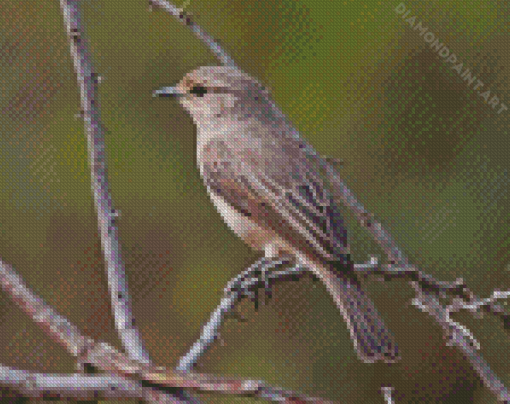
168	92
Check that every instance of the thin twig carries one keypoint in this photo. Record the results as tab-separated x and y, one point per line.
208	40
239	287
246	285
428	302
56	326
462	297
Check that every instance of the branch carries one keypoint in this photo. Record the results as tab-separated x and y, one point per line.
107	359
185	18
423	284
76	386
94	387
245	284
88	80
462	297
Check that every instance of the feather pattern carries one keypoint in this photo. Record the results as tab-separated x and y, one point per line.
292	189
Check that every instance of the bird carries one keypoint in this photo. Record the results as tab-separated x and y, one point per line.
267	183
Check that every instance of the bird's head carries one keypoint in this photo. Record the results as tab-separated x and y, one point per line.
215	92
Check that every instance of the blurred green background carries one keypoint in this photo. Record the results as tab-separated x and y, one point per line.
422	150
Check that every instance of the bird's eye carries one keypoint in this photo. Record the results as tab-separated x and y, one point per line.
198	90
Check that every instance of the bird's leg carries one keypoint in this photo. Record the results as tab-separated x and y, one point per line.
257	275
248	280
274	255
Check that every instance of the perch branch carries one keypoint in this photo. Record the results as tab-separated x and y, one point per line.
245	284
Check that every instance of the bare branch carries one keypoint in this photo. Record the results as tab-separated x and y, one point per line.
107	359
76	386
462	297
56	326
185	18
241	286
87	81
94	387
427	299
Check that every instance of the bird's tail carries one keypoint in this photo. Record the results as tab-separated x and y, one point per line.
370	336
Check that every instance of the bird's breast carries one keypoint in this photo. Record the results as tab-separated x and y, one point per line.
251	233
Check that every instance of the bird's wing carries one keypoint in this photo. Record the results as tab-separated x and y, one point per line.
280	189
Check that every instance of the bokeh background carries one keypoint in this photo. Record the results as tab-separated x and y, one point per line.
421	148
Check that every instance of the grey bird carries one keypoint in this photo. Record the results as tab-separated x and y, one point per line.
268	185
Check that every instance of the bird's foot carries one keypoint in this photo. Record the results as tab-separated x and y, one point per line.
258	275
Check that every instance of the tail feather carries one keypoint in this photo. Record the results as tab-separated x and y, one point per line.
370	336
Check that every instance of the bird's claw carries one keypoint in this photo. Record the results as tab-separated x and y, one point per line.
248	283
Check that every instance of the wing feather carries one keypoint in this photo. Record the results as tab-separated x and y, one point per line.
286	195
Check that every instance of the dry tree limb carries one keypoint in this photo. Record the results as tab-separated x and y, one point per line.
106	358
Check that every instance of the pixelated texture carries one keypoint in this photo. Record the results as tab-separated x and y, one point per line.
423	150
